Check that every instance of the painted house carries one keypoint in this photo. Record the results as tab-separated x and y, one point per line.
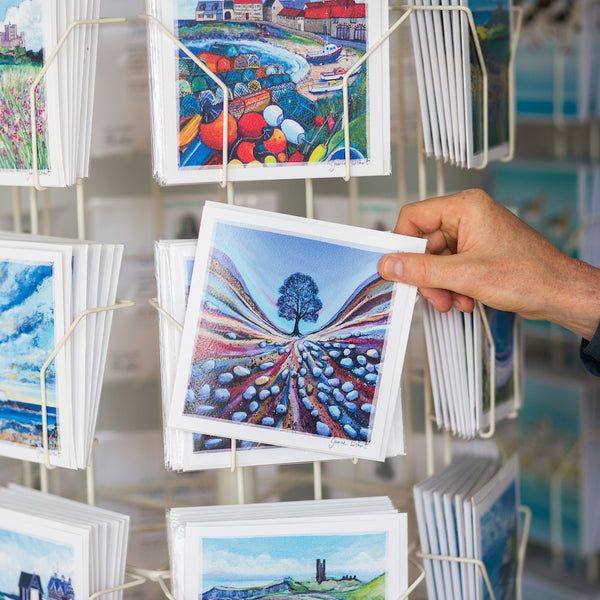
60	588
247	10
316	17
292	18
228	10
271	8
10	38
209	10
30	587
349	22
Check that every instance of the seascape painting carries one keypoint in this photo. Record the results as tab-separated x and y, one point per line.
26	340
283	68
290	335
21	59
308	566
35	568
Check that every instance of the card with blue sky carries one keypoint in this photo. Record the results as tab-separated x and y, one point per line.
283	67
290	336
35	310
357	555
38	554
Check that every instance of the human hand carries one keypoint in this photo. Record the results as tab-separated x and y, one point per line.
478	249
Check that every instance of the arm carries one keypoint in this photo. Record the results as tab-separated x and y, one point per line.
477	249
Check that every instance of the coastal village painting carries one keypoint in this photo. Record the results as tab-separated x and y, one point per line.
21	58
34	568
305	566
282	62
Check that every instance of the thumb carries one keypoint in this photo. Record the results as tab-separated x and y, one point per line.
422	270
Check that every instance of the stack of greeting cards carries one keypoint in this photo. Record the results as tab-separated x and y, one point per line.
475	366
470	510
351	548
45	284
57	548
62	107
281	69
450	78
290	335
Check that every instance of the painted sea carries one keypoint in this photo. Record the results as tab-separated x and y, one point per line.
21	423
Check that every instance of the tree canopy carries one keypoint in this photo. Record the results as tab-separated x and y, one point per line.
299	301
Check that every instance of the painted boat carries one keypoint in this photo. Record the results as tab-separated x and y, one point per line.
322	87
337	73
327	54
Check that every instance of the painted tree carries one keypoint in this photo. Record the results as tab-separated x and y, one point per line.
299	301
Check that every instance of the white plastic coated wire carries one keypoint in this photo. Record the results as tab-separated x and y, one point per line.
119	304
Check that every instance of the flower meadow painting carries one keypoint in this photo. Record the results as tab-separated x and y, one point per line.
21	59
288	333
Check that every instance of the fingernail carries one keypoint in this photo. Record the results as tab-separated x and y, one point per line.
393	269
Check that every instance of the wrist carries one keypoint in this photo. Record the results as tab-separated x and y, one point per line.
579	306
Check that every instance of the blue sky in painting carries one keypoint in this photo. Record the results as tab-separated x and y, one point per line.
266	259
20	552
240	562
27	15
26	326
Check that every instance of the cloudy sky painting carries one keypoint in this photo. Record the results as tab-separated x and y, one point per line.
26	328
251	561
26	14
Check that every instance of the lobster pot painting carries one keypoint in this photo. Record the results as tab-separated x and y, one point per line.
287	68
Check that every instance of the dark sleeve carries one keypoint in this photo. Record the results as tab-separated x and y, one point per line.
590	353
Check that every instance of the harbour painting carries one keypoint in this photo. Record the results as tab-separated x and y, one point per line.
21	59
283	64
307	566
26	339
35	567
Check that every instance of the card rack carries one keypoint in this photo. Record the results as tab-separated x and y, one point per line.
139	575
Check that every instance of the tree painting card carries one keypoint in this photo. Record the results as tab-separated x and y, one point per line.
41	559
26	31
291	337
315	558
32	321
283	67
493	21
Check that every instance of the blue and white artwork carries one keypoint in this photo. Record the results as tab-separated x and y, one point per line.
286	565
26	339
34	567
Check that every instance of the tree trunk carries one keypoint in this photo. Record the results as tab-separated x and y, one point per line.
296	331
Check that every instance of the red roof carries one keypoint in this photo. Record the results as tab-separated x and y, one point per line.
291	12
353	11
247	1
316	12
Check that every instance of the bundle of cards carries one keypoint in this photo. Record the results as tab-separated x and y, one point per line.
475	365
351	548
46	283
57	548
556	429
251	366
283	71
556	74
450	78
63	98
470	510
